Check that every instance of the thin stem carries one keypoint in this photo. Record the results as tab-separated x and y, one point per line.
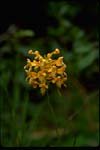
53	113
75	139
24	115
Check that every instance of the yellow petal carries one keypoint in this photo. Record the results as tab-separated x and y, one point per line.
42	90
49	55
30	52
34	84
59	61
61	70
57	51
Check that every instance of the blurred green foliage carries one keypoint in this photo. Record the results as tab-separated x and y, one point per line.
26	119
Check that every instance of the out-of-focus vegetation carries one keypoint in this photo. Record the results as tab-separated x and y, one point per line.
26	119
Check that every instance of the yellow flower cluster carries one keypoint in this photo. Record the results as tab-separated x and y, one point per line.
42	71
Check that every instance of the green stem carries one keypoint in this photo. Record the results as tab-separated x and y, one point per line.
75	140
53	113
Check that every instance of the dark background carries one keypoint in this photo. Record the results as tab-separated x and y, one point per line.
34	15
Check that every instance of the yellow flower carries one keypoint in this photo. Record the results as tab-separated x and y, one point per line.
30	52
43	88
57	51
52	72
49	55
41	76
36	64
43	71
61	69
32	74
60	82
59	61
34	84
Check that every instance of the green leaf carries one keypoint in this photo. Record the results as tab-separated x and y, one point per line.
86	141
88	59
24	33
80	47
